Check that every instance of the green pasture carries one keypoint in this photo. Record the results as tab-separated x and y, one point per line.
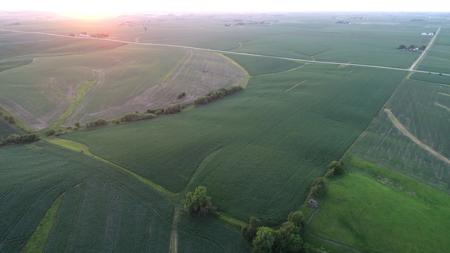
374	209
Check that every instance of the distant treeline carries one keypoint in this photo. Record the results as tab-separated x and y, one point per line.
171	109
19	139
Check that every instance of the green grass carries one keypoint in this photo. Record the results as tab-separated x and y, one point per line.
265	144
39	237
378	210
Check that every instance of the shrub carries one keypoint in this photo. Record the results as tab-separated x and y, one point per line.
19	139
264	240
198	202
97	123
335	168
296	218
288	238
50	132
172	109
181	95
249	231
318	188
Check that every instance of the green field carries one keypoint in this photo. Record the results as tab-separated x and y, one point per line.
438	59
99	205
121	187
63	90
422	107
375	209
274	137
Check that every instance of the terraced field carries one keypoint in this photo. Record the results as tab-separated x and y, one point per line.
63	90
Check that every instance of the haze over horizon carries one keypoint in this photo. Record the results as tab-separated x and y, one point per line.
104	8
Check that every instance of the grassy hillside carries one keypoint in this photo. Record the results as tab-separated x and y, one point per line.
98	205
264	144
375	209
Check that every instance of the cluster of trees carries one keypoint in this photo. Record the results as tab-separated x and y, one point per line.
335	168
214	95
287	238
319	188
411	47
136	117
19	139
97	123
198	202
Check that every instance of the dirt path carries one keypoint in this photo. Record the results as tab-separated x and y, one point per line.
336	243
425	52
442	106
295	86
173	246
412	70
413	138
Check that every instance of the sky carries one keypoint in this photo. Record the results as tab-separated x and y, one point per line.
116	7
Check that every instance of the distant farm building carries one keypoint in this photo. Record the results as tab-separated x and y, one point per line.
427	34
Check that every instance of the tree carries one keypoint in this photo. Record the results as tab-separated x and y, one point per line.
335	168
249	231
264	240
198	202
289	239
296	218
401	47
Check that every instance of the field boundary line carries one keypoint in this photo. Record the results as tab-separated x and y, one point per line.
230	52
39	237
425	52
81	148
397	124
336	243
173	242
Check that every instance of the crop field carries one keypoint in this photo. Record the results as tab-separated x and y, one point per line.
285	118
316	88
99	206
58	90
386	202
299	37
438	59
423	108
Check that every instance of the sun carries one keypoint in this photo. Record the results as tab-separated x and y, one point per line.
88	9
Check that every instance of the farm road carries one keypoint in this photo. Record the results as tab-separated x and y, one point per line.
411	69
413	138
425	52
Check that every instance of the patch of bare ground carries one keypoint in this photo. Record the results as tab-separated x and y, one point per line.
413	138
197	74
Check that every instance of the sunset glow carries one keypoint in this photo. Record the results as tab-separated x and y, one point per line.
94	9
